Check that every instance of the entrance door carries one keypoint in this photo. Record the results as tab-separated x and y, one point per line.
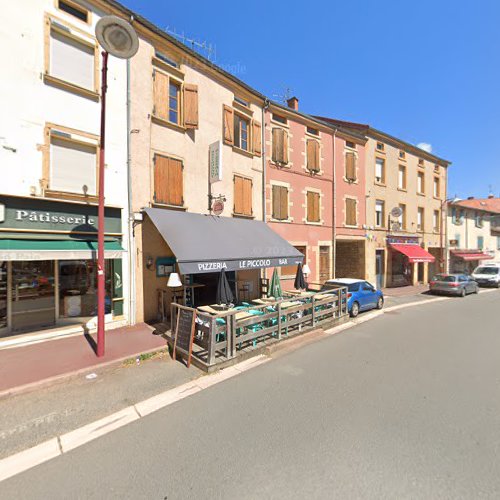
324	264
379	268
3	295
33	297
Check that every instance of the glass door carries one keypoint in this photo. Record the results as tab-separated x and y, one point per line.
33	294
3	295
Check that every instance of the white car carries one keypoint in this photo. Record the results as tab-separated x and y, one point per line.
487	275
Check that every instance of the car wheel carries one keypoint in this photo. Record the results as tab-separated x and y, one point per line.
476	290
380	303
463	293
498	284
354	310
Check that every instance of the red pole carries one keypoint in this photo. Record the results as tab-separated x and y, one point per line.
101	281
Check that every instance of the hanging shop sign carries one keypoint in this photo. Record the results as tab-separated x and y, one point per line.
218	207
19	214
215	161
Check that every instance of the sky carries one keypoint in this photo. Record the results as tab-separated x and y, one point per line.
424	71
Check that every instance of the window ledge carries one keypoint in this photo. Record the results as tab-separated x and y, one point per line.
243	216
278	164
285	221
437	198
71	87
243	152
351	226
421	194
382	184
351	181
313	223
404	190
170	207
63	195
166	123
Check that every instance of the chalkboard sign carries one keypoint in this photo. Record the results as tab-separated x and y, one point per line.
184	332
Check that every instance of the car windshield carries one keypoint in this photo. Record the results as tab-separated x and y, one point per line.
486	270
445	278
351	287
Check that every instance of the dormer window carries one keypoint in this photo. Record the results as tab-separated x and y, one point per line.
73	10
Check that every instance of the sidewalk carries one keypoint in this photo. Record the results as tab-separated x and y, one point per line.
35	364
406	295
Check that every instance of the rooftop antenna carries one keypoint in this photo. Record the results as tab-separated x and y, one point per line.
207	49
284	95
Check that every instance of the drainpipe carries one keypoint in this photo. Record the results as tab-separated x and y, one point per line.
131	239
263	147
334	209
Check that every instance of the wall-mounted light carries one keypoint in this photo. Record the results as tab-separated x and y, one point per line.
174	280
149	262
306	270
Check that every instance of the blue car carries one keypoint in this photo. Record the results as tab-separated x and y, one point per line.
361	295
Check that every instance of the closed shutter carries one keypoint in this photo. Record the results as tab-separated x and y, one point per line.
313	207
242	195
247	197
190	106
280	203
324	263
313	155
350	166
257	138
350	212
168	188
160	98
280	146
228	124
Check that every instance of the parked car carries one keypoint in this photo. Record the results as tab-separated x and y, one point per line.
487	275
453	284
361	295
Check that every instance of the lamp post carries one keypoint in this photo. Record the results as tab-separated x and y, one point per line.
119	39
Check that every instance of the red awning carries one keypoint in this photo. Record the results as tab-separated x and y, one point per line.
415	253
472	255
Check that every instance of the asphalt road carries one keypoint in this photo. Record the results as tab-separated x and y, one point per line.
403	406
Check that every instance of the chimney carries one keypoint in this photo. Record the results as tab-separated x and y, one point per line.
470	198
293	103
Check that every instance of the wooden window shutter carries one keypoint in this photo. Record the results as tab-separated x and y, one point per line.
160	97
160	179
350	212
175	183
280	146
247	196
313	207
283	203
350	166
285	147
312	155
228	121
238	195
276	208
257	138
190	105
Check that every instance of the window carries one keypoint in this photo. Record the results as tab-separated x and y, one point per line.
402	177
350	166
280	202
402	217
312	131
241	126
241	132
480	242
313	207
437	190
280	119
175	102
71	58
280	146
241	101
313	155
350	144
174	90
166	59
351	218
242	196
73	10
380	170
478	219
380	146
420	219
435	221
421	162
168	181
402	155
292	270
379	213
72	165
420	183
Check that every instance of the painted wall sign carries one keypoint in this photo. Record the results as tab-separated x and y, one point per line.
215	161
236	265
35	214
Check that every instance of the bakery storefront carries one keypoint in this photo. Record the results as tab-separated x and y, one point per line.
48	268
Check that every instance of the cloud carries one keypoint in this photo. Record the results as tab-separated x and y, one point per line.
425	146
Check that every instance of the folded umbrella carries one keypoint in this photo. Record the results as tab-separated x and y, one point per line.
300	282
275	286
224	293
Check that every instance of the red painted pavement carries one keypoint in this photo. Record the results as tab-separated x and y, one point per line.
34	363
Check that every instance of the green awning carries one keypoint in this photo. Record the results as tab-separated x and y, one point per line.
11	249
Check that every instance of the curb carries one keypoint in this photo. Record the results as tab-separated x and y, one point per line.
14	391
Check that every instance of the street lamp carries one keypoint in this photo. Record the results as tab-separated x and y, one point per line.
119	39
441	230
